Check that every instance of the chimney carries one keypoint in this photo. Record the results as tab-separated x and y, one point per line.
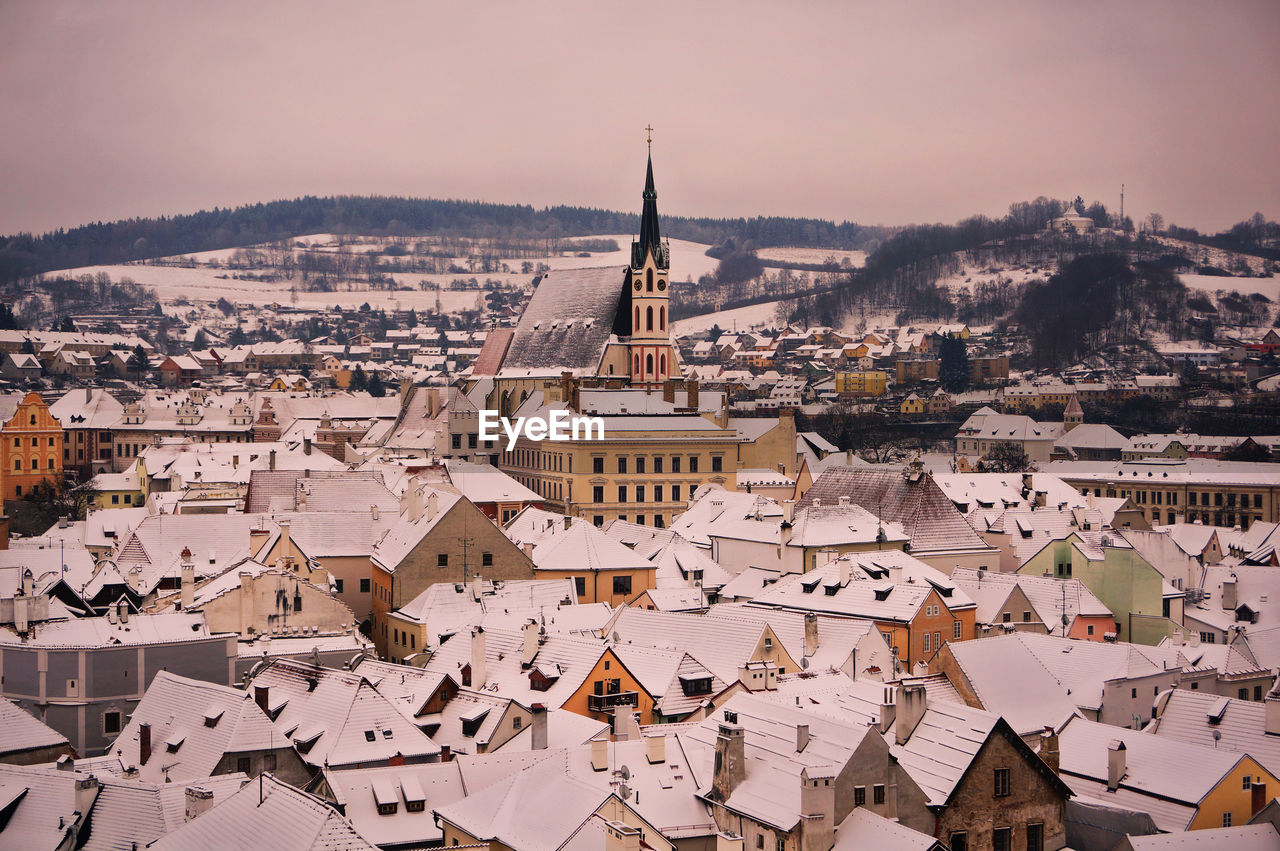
446	753
1271	723
271	460
65	763
1229	600
1194	639
691	389
4	531
843	501
262	697
626	724
477	657
620	836
846	570
527	549
1049	749
144	742
188	580
411	504
655	748
86	793
731	761
810	633
802	737
198	801
122	610
1115	765
599	754
529	643
669	391
432	506
818	807
286	543
888	710
257	537
306	446
789	510
538	727
911	706
568	521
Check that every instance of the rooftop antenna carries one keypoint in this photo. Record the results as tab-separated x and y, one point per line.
1121	205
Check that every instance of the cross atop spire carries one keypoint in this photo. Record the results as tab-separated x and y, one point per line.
649	137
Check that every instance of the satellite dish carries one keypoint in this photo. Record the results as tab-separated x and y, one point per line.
624	791
804	664
624	773
616	638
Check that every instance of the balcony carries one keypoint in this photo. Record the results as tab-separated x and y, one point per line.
606	702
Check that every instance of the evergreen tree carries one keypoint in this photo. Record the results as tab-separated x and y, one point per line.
375	387
8	322
138	361
953	366
66	325
359	381
237	337
201	340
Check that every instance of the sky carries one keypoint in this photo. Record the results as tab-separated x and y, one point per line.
880	113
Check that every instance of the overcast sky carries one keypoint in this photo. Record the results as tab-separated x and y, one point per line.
891	112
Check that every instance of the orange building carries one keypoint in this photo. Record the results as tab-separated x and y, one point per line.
30	444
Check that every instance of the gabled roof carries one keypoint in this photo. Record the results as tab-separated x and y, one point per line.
21	731
338	717
45	805
130	814
567	323
178	709
267	813
925	513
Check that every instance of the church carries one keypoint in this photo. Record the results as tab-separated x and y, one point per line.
605	323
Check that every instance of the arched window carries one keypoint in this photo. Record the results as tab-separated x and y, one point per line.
662	318
648	362
637	317
648	317
17	463
637	364
648	277
662	361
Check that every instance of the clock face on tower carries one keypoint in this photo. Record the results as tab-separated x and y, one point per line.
637	286
662	284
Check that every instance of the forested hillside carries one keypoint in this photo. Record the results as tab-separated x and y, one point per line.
23	255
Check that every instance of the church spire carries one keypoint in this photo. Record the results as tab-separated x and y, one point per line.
650	238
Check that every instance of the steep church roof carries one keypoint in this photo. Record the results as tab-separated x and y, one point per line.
567	322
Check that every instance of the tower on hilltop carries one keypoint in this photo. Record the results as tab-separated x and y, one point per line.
648	281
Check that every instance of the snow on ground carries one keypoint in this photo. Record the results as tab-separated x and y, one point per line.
208	283
857	259
763	315
970	277
1269	287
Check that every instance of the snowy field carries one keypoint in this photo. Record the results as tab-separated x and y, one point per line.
207	283
1269	287
857	259
763	315
970	277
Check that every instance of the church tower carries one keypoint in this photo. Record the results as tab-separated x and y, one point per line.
653	360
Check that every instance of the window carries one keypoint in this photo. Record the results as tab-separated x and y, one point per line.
859	796
639	465
1257	692
693	463
1133	692
639	519
1026	617
364	586
959	841
442	559
1090	629
1002	839
657	464
877	793
269	762
598	520
297	602
337	584
1005	617
580	585
597	495
622	584
760	840
639	493
675	493
517	722
622	493
657	493
675	463
1001	783
486	559
717	464
243	765
456	440
111	723
1243	694
597	466
926	642
622	465
1035	837
1247	783
1228	819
